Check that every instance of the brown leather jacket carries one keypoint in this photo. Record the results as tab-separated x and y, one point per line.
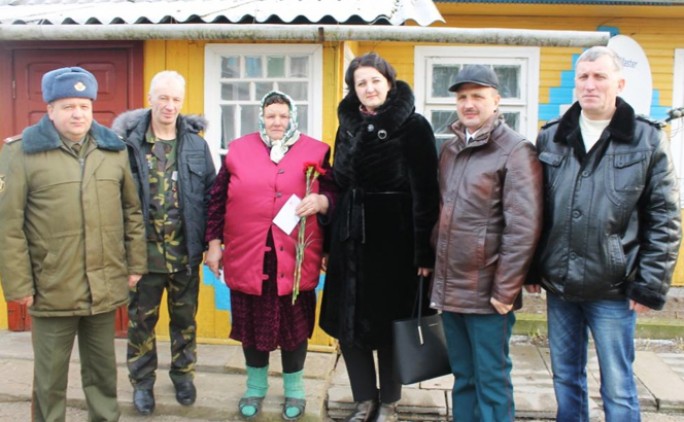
490	218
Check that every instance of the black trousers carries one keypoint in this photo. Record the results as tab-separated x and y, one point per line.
293	360
362	374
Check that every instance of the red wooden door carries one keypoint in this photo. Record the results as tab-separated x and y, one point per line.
118	70
110	68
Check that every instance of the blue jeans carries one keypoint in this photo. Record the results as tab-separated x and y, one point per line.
612	327
478	354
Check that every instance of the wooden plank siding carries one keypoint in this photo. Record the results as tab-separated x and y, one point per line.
657	29
187	57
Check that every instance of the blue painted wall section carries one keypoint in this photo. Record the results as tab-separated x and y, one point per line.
562	95
222	292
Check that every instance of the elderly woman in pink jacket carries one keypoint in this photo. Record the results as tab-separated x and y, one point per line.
260	174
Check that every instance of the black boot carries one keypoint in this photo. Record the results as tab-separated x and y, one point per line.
363	412
186	393
143	401
388	413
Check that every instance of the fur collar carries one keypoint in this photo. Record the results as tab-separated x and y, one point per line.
398	107
124	123
621	126
44	137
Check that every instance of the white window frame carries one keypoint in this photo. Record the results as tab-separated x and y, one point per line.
677	125
212	85
526	57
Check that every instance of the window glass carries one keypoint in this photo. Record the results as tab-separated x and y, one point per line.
253	67
275	66
263	88
249	118
230	67
298	91
509	81
299	67
227	125
303	118
517	69
237	76
442	78
235	91
513	120
442	120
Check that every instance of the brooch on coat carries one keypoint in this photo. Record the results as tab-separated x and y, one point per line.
382	133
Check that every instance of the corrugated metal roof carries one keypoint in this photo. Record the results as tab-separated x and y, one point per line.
586	2
107	12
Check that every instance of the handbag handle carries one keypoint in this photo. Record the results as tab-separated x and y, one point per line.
419	296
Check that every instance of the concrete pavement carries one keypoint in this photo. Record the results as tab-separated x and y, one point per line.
220	382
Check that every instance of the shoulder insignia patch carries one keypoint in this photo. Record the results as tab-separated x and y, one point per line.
551	123
2	182
651	121
12	139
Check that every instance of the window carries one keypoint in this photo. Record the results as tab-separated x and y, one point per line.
677	125
237	76
518	72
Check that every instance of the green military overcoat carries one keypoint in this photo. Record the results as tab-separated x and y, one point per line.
71	229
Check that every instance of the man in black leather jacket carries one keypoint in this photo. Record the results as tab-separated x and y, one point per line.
610	239
174	171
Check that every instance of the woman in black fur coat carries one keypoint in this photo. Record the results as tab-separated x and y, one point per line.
386	169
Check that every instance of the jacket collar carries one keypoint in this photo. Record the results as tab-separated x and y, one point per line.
137	121
483	133
43	136
621	126
398	107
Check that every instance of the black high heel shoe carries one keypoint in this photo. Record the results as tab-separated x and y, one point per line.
363	412
388	413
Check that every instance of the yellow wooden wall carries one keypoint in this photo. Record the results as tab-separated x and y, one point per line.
187	57
657	29
659	36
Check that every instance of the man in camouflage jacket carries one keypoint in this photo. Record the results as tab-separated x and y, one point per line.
174	171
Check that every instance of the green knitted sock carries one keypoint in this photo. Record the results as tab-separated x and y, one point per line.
257	386
294	389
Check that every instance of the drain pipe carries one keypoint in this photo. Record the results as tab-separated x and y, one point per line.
306	33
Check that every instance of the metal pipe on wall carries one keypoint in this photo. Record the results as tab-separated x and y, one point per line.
307	33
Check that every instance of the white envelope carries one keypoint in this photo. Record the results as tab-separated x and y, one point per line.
286	218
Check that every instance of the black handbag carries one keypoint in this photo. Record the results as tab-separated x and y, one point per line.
420	350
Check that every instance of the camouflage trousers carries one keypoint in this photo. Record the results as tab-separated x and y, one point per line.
182	292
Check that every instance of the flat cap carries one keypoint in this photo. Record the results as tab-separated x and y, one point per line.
475	74
68	82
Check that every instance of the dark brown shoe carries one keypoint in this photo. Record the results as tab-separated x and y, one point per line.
388	413
363	412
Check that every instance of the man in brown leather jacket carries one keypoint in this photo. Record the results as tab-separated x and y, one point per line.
490	220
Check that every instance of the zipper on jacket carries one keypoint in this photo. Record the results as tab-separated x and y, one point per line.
142	171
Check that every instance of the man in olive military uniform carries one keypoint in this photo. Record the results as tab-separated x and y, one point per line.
174	171
73	242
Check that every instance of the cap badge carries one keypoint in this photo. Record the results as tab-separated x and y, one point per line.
79	86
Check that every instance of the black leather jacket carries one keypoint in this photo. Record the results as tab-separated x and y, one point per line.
612	216
196	173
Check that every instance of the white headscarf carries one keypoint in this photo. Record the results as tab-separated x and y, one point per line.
279	146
